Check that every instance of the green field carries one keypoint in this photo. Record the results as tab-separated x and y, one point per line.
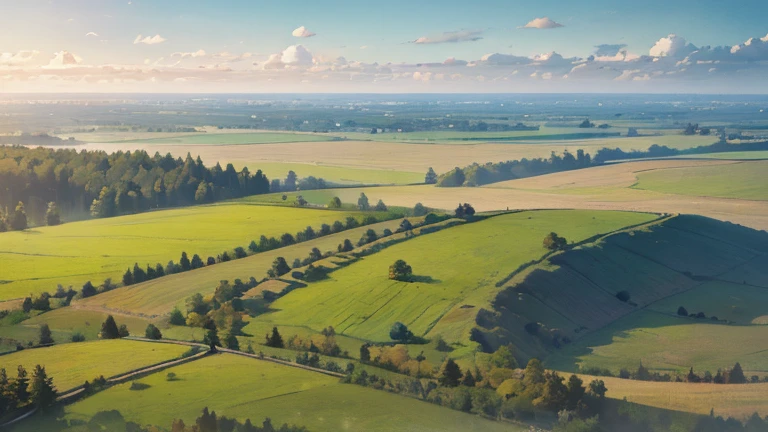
746	180
337	174
233	138
38	259
159	296
736	303
64	322
72	364
243	388
456	271
669	344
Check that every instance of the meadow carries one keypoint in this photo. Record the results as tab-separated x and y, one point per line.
232	138
72	364
735	400
239	387
158	297
745	180
360	301
667	343
38	259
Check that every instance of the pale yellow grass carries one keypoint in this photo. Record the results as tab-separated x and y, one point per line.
735	400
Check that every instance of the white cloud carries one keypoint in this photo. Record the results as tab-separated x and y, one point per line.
504	59
542	23
753	49
302	32
149	40
18	58
296	55
609	50
198	53
450	37
454	62
64	59
671	46
92	34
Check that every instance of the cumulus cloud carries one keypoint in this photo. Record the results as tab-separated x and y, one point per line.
451	37
302	32
671	46
498	59
296	55
149	40
183	55
18	58
753	49
542	23
64	59
454	62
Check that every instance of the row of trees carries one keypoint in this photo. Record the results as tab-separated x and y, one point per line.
21	391
210	422
17	219
113	184
478	175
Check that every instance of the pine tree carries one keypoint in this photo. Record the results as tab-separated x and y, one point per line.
18	219
43	393
52	216
451	374
45	335
20	386
128	278
177	318
736	375
109	329
469	380
184	261
275	340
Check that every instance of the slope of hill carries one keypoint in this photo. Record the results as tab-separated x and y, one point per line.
582	290
38	259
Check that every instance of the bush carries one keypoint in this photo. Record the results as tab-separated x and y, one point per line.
400	271
623	296
78	337
554	242
152	332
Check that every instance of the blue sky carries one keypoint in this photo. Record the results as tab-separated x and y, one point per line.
362	31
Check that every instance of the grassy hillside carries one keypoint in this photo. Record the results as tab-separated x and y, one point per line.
159	296
38	259
456	271
746	180
72	364
576	293
262	389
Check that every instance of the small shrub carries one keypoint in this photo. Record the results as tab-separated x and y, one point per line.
78	337
137	386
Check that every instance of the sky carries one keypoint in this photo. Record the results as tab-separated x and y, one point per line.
394	46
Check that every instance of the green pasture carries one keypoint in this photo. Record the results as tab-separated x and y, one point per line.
746	180
38	259
159	296
736	303
667	343
72	364
455	274
239	387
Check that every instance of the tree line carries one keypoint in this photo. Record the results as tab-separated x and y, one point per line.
22	391
478	175
106	185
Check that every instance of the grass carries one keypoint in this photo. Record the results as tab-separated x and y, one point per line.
241	388
65	322
744	180
456	271
38	259
233	138
737	303
744	155
159	296
72	364
669	344
735	400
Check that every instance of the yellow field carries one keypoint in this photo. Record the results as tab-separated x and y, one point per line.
735	400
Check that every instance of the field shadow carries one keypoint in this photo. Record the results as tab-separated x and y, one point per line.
424	279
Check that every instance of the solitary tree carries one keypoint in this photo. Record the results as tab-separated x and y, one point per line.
736	375
280	267
682	311
362	202
400	271
45	335
554	242
275	340
465	211
152	332
109	329
419	209
451	374
365	353
380	206
52	216
400	333
177	318
123	331
431	177
335	203
18	219
230	341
